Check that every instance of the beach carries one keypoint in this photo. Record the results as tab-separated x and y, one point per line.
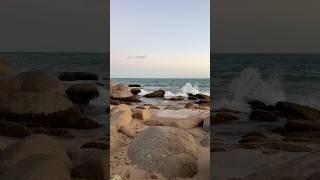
265	117
53	116
159	130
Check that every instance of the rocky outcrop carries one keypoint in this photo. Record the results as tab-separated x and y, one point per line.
166	150
120	115
74	76
82	93
183	123
156	94
32	145
296	111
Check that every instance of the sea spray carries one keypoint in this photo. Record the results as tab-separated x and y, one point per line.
251	86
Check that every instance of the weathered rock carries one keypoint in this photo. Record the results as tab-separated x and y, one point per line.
183	123
120	115
38	167
73	76
177	98
60	133
156	94
192	97
96	145
142	114
135	91
255	104
84	123
224	118
119	91
82	93
128	132
261	115
41	81
296	111
32	145
6	69
301	126
10	86
115	140
166	150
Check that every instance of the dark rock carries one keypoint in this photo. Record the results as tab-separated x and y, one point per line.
255	104
177	98
135	91
261	115
223	118
96	145
135	85
155	94
82	93
296	111
12	129
73	76
192	97
116	101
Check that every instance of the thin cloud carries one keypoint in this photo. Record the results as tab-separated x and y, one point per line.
137	57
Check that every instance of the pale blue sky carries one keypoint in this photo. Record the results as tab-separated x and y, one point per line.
160	38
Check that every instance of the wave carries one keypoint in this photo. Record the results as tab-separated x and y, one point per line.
250	85
188	88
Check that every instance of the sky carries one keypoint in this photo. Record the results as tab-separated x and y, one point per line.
160	39
53	25
266	26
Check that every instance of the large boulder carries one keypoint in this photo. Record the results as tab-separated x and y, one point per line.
142	114
41	81
32	145
74	76
10	86
166	150
38	167
156	94
120	115
82	93
119	91
178	122
296	111
6	69
135	91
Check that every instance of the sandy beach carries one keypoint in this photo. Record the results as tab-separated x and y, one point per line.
161	140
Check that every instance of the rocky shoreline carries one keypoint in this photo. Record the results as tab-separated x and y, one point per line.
44	129
158	141
279	141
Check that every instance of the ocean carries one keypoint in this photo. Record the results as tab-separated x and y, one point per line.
266	77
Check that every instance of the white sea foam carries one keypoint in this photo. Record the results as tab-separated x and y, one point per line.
251	86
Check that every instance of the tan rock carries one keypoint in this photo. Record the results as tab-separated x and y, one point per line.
6	69
142	114
120	115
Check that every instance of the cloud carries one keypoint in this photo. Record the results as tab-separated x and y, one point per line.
137	57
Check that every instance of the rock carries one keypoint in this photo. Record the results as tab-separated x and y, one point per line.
82	93
261	115
192	97
11	129
60	133
301	126
96	145
206	124
314	176
287	147
177	98
142	114
73	76
255	105
128	132
84	123
90	164
224	110
41	81
224	118
120	115
183	123
296	111
135	85
38	167
166	150
32	145
119	91
6	69
156	94
255	133
10	86
135	91
115	140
